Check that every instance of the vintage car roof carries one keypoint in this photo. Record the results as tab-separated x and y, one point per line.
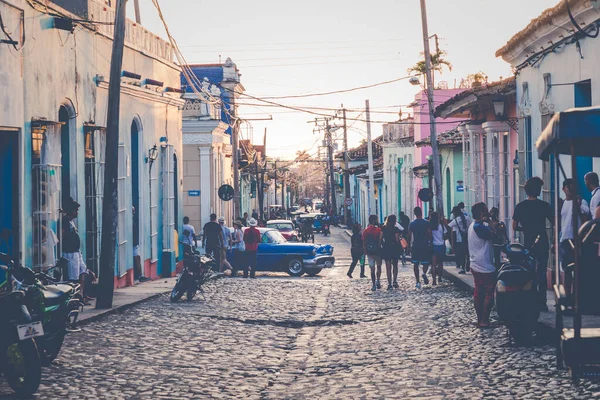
279	221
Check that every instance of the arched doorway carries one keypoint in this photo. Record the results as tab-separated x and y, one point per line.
135	196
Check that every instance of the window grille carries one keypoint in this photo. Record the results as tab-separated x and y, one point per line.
168	183
95	149
122	248
506	209
46	192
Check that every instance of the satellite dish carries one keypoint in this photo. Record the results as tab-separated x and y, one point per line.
425	195
226	192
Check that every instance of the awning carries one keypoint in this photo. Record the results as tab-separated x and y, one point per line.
580	124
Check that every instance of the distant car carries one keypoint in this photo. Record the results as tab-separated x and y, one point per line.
285	227
277	254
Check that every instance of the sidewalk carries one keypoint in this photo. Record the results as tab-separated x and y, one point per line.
127	297
547	318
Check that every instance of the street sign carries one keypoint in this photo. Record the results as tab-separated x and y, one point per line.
193	193
460	188
348	201
226	192
425	195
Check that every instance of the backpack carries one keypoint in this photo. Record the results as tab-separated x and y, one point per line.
372	243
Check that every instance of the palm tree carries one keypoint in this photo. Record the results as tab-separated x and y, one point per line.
302	155
438	62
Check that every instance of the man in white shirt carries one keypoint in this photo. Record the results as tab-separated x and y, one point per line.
592	184
481	253
189	233
566	230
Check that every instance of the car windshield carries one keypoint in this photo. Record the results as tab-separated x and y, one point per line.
273	237
281	227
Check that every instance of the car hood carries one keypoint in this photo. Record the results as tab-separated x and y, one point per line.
307	248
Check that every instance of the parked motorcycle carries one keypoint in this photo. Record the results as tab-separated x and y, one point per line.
196	271
55	305
516	295
19	358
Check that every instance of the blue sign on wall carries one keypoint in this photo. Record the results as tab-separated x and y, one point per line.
460	188
194	193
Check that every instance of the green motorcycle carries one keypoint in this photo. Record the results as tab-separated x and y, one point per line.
55	304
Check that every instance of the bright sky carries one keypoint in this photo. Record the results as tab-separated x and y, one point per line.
314	46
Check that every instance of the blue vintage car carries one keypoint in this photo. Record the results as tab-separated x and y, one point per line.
277	254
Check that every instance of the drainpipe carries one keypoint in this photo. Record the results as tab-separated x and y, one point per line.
399	171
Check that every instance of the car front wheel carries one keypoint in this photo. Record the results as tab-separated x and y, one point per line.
294	267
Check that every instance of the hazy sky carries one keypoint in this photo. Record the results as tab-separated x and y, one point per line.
283	48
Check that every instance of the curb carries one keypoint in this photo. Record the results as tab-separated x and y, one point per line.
118	309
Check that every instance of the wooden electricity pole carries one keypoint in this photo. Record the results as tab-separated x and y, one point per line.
110	199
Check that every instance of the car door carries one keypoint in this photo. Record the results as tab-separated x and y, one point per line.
264	258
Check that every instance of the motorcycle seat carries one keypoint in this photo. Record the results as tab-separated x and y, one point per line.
54	294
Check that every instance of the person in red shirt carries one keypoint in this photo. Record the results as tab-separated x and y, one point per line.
372	237
251	241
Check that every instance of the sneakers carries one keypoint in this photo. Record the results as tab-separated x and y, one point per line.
374	288
378	284
363	276
425	279
418	285
396	285
390	287
349	275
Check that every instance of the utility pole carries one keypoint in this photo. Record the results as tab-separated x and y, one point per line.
110	199
330	162
437	174
371	201
261	199
283	192
275	196
237	197
346	173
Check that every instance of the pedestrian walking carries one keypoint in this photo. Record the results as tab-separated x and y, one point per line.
357	251
225	265
71	250
372	238
419	234
189	233
251	241
390	250
460	227
530	217
244	219
439	233
212	239
238	247
566	247
500	236
482	263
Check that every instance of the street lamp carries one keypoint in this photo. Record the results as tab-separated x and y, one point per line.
499	108
414	80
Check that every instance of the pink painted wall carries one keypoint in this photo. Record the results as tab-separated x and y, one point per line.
422	127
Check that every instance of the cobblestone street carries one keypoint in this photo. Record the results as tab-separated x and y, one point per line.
325	337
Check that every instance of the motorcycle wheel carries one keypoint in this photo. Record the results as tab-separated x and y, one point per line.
22	367
50	348
191	294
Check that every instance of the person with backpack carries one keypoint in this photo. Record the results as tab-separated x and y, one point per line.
372	238
357	251
251	242
419	234
460	227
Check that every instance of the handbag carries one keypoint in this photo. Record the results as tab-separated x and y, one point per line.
403	243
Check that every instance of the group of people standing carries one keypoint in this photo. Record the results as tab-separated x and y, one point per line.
218	239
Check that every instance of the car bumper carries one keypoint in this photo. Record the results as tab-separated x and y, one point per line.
320	262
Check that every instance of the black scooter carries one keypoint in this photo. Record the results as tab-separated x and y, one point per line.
516	294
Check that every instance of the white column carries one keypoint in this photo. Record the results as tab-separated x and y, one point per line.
466	171
205	184
475	133
503	168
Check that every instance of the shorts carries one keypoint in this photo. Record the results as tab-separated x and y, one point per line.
373	259
392	254
439	250
76	266
421	255
485	283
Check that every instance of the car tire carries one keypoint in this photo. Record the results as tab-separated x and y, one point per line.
314	272
294	267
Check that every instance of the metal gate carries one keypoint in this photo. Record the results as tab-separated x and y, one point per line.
168	186
122	248
95	149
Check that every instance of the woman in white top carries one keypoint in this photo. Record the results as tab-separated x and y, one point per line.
439	227
238	246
